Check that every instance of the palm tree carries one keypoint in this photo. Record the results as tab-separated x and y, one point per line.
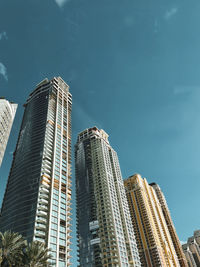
11	248
36	255
1	258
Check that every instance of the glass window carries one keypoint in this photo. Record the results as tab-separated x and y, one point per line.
54	226
63	217
62	242
62	235
62	229
53	246
55	220
53	233
61	264
53	239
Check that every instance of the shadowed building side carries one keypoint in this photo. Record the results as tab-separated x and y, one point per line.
38	193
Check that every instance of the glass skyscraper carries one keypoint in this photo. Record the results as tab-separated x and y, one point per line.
38	194
7	115
105	232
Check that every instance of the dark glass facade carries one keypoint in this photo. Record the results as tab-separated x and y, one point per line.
20	199
38	194
87	224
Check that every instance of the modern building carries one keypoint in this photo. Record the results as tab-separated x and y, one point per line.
197	236
7	115
192	249
170	225
38	194
153	238
189	256
105	232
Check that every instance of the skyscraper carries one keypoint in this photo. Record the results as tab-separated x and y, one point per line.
38	193
153	238
7	115
197	236
189	256
170	225
192	249
105	233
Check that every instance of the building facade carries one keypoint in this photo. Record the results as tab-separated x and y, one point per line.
170	225
38	194
152	235
189	256
192	249
105	233
7	115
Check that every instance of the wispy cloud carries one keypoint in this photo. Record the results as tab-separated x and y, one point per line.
183	242
170	13
3	71
129	21
3	35
84	118
180	90
61	3
156	26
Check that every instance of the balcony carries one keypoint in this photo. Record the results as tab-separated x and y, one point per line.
42	208
41	219
41	213
69	208
43	201
44	189
40	226
44	195
69	213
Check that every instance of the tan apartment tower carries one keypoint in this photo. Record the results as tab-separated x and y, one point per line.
7	115
105	232
37	200
170	225
189	256
192	249
152	235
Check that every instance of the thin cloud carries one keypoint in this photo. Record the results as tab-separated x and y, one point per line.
170	13
3	71
83	118
183	242
156	26
180	90
61	3
3	35
129	21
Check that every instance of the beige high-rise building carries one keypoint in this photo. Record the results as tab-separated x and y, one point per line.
192	250
153	238
170	225
197	236
189	256
7	115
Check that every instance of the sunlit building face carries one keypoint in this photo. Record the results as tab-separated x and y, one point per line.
7	115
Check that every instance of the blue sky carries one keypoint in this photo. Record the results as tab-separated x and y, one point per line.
133	67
